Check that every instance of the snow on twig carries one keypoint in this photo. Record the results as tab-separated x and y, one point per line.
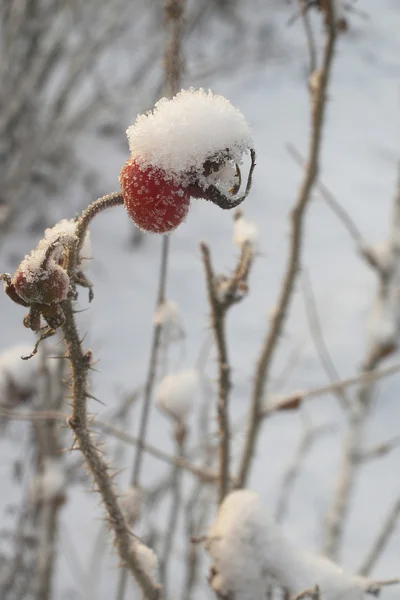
249	552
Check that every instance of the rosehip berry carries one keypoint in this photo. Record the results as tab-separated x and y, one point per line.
153	200
48	286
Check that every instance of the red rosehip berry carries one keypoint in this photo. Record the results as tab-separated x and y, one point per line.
48	286
153	200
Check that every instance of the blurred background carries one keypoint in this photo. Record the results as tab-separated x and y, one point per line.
74	75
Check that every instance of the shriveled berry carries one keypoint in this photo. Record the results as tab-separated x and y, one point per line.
45	286
153	200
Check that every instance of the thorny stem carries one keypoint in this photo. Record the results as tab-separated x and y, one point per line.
318	106
123	539
108	201
219	307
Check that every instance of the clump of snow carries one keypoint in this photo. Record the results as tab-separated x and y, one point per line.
168	315
18	378
181	134
147	558
50	484
245	231
67	227
250	551
176	393
131	504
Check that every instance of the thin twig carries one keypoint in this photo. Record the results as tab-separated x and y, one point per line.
312	593
221	296
182	463
380	450
301	395
307	440
382	539
152	372
174	13
332	202
318	337
379	349
318	105
176	502
309	36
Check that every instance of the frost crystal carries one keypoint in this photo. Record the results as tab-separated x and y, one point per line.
180	135
249	552
176	393
245	231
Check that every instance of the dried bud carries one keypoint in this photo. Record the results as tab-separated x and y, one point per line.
39	279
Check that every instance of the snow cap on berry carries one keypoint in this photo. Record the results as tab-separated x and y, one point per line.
181	134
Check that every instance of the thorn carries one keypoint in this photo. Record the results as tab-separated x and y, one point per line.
94	398
83	338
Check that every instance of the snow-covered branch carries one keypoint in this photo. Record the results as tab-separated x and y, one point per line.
250	552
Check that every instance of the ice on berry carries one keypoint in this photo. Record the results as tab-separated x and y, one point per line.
181	134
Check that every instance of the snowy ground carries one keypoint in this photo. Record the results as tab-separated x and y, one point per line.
359	164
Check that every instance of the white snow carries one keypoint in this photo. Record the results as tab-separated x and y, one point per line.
18	378
180	134
50	483
250	551
131	504
147	558
177	392
360	152
168	314
245	231
67	227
